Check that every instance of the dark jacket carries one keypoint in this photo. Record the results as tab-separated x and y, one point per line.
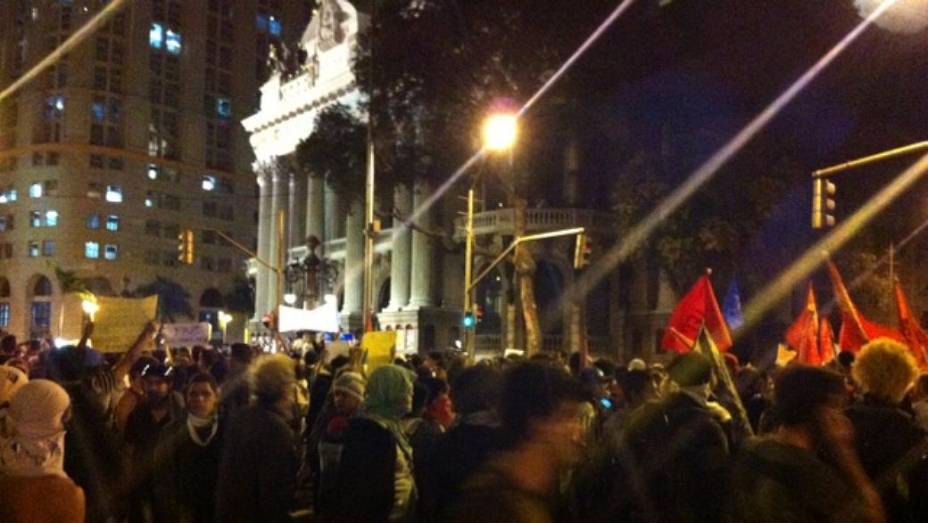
186	475
257	472
366	475
488	496
883	435
773	482
458	454
674	457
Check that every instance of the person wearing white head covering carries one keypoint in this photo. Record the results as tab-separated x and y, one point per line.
33	485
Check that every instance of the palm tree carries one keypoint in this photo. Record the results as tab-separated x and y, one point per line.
173	298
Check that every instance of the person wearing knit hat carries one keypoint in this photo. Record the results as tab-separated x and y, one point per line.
32	458
349	393
11	380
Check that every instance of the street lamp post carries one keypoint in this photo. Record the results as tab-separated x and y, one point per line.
499	134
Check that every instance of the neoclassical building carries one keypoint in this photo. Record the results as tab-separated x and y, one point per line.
419	270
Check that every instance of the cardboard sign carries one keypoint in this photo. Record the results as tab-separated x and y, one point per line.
119	321
187	334
380	348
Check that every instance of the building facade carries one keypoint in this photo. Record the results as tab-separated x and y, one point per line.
418	270
130	139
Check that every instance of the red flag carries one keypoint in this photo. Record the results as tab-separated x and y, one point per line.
915	337
855	329
826	342
699	307
802	335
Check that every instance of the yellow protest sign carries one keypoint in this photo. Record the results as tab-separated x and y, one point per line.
119	321
380	348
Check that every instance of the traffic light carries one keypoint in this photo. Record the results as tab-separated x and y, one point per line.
823	203
470	321
582	251
186	246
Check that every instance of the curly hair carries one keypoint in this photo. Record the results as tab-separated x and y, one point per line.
885	369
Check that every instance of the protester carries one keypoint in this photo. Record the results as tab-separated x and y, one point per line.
884	433
375	478
807	470
543	436
257	472
34	487
187	456
920	401
467	445
160	408
235	394
134	395
348	395
676	450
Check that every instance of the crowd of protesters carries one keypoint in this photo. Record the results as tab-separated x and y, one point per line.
234	435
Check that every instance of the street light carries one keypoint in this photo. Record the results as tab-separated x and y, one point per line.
902	16
90	308
500	131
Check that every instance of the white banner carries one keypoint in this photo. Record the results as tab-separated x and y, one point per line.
186	334
321	319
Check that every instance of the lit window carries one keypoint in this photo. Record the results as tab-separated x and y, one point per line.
156	36
275	27
262	23
112	223
172	42
93	221
55	105
92	250
51	218
48	248
111	252
224	108
4	315
35	218
114	193
35	190
153	171
209	183
34	249
149	199
98	111
8	196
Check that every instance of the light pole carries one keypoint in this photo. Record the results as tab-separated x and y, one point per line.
500	132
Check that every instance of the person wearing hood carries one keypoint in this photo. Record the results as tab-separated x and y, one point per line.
374	481
34	487
187	456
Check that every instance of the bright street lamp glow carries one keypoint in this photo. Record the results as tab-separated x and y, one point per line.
224	318
903	16
500	132
90	308
289	298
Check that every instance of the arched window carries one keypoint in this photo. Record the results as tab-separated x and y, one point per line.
42	287
211	299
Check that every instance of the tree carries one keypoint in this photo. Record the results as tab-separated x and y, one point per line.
240	298
335	151
173	298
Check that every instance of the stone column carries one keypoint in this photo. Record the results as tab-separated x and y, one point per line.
400	263
354	260
333	218
262	279
422	251
296	220
278	203
315	207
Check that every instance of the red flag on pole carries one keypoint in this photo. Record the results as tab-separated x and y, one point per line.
802	335
697	308
915	337
826	342
855	329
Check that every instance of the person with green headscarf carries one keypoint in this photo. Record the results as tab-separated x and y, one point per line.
374	481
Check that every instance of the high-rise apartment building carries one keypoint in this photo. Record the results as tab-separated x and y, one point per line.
129	140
